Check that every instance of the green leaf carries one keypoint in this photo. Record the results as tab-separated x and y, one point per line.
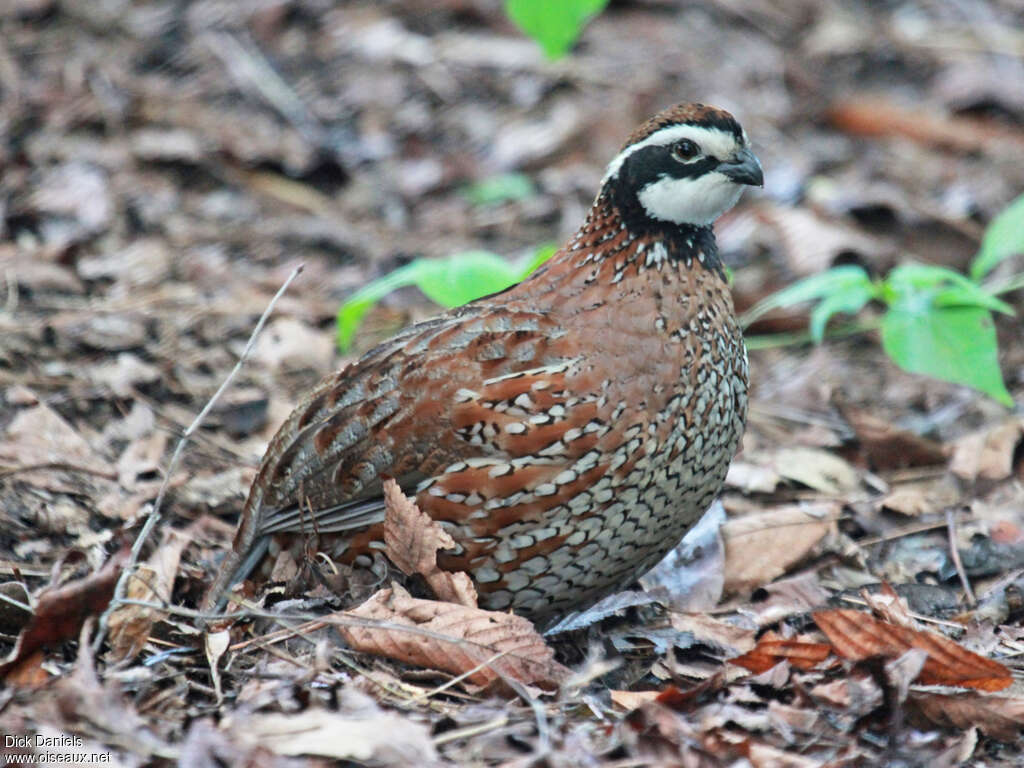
956	344
1003	238
535	259
850	300
848	280
554	24
462	277
450	282
500	189
941	286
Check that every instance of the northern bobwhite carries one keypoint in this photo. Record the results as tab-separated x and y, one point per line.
566	432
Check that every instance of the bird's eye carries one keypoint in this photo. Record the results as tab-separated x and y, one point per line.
685	149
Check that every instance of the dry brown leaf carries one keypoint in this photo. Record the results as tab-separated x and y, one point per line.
817	469
486	644
987	455
412	539
60	612
40	436
870	116
714	632
917	499
630	700
766	756
858	636
889	606
811	242
886	446
761	547
750	477
772	649
130	625
1000	717
385	738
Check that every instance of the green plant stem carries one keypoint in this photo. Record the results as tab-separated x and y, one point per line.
770	341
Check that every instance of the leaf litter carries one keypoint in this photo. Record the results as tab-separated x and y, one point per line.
154	198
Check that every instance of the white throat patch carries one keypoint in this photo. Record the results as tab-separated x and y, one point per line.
696	201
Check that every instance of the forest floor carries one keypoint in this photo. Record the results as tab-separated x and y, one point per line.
167	165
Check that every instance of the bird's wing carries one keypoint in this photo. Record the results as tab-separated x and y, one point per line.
474	386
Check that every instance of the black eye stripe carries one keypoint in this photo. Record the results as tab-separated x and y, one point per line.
650	164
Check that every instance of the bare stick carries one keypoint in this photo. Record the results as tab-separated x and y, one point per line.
954	554
154	515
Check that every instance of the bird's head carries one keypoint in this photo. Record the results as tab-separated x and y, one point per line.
687	165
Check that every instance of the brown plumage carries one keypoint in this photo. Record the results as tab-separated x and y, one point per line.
566	432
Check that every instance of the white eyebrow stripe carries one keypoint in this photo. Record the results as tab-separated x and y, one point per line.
712	141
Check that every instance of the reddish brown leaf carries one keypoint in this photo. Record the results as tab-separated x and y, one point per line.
858	636
771	650
413	540
453	638
59	613
997	716
28	672
863	116
889	447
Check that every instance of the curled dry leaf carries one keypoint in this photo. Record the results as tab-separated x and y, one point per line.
887	604
487	645
412	539
772	649
858	636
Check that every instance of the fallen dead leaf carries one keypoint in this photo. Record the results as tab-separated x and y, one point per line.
886	446
728	638
917	499
485	645
382	737
817	469
630	700
130	625
987	455
869	116
412	540
59	613
761	547
772	649
887	604
749	477
1000	717
858	636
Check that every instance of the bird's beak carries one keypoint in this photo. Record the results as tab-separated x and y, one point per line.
745	168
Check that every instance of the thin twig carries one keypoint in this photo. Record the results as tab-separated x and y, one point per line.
456	680
954	554
155	513
56	465
473	730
